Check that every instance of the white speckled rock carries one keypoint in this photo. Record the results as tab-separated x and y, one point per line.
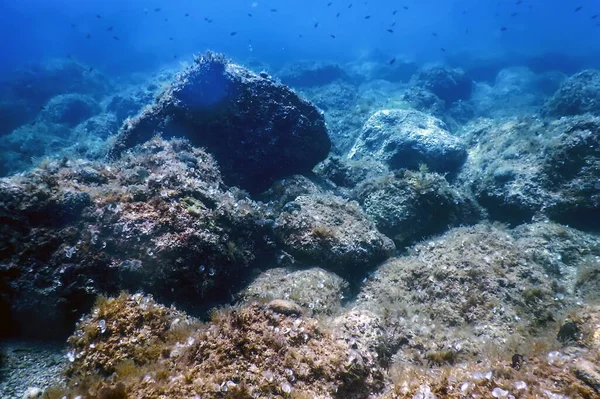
407	139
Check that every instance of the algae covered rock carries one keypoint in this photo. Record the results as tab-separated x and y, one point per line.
577	95
479	278
253	351
332	233
316	290
408	139
257	130
159	220
408	206
526	167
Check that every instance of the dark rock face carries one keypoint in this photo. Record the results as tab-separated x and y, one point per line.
449	85
160	221
408	139
577	95
408	206
258	130
526	167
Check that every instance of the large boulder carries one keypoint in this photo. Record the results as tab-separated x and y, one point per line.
528	167
577	95
69	109
333	233
258	130
448	84
407	206
159	220
408	139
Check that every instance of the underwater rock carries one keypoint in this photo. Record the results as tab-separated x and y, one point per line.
516	91
247	352
336	99
562	251
407	206
332	233
20	148
288	189
309	74
348	173
448	84
23	93
316	290
69	109
257	130
400	71
479	277
577	95
425	101
159	220
409	139
523	167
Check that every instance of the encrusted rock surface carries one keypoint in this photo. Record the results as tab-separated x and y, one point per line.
248	352
333	233
316	290
577	95
524	167
159	219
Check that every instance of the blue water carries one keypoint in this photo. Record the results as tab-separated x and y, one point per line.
36	30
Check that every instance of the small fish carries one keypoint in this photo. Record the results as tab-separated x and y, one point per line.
332	36
504	29
171	38
157	9
519	2
175	56
578	8
393	24
316	25
329	4
166	19
350	5
273	10
367	17
98	16
443	49
116	38
250	15
594	16
392	61
337	15
405	7
91	69
435	34
89	35
110	28
186	14
73	25
514	14
394	12
390	30
233	33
